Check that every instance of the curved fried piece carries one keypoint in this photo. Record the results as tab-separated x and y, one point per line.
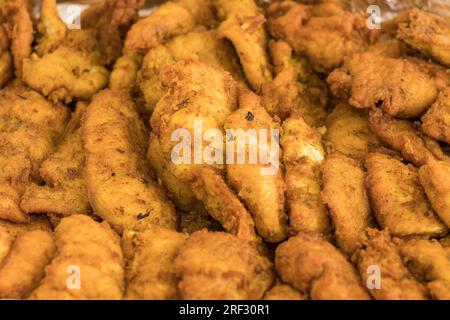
435	179
65	191
6	61
302	155
29	129
283	291
36	223
403	137
151	271
344	193
397	283
125	72
438	73
169	19
243	24
218	265
348	132
262	192
428	33
20	30
52	30
88	264
118	182
436	121
23	267
398	200
398	86
429	261
326	41
312	265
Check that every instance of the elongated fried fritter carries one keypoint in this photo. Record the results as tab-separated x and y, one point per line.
151	270
262	192
118	181
283	291
29	129
436	121
312	265
398	86
52	30
302	155
403	137
398	200
125	72
218	265
348	132
429	261
396	282
345	195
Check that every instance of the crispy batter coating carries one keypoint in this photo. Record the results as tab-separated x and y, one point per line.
29	129
397	282
197	219
65	191
23	267
428	33
5	242
325	40
345	195
312	265
36	223
52	30
302	155
429	261
435	179
348	132
89	252
6	61
118	181
243	24
402	136
283	291
218	265
398	200
151	270
261	192
398	86
436	121
125	72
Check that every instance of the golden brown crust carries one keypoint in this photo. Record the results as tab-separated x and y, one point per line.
436	121
283	291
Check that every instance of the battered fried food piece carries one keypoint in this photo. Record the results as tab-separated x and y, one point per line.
434	177
243	24
90	252
119	186
436	121
428	33
348	132
151	270
438	73
325	41
23	267
397	283
218	265
398	86
345	195
125	72
65	191
6	61
429	261
197	219
169	19
312	265
20	30
36	223
261	191
29	129
302	155
52	30
5	242
403	137
398	200
283	291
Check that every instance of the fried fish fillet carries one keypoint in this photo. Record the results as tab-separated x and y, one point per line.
312	265
302	155
398	86
436	121
348	132
429	261
398	200
218	265
30	127
88	264
23	267
283	291
345	195
262	192
397	282
151	271
118	181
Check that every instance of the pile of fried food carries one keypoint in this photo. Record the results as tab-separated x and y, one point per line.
93	207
